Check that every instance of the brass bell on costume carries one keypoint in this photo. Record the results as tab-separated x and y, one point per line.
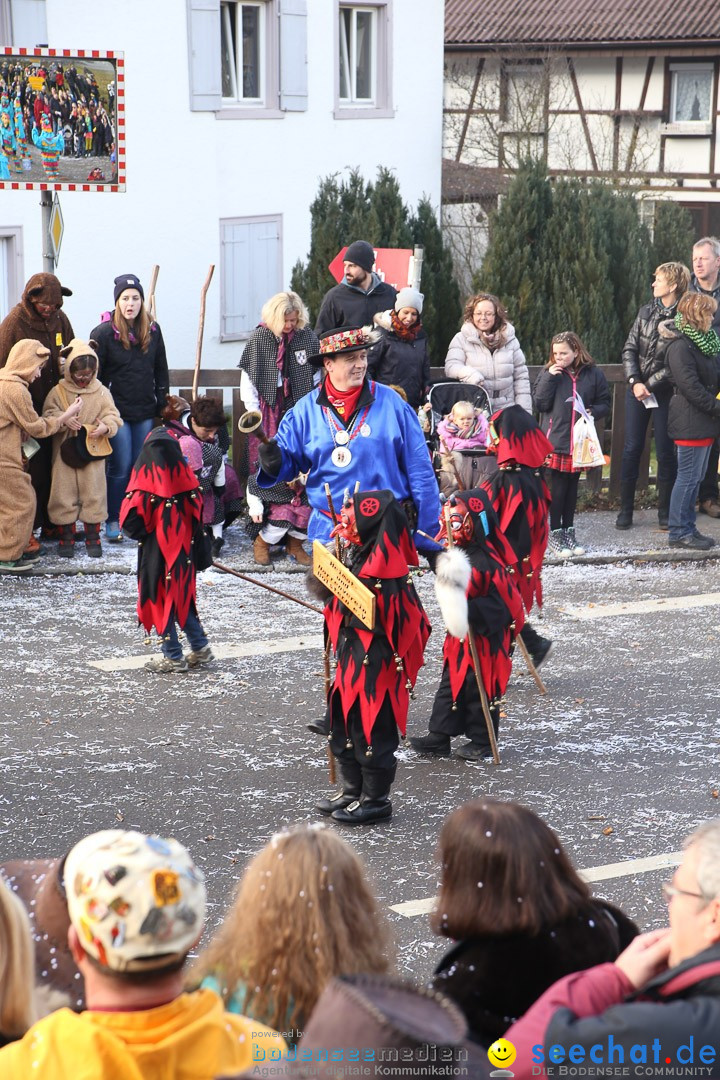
366	661
368	752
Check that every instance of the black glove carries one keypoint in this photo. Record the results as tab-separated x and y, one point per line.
270	457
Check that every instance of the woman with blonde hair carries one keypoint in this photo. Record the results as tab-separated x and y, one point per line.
647	376
17	975
693	357
519	915
303	913
274	376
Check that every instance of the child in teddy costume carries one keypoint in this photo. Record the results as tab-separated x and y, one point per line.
18	419
477	595
80	493
376	668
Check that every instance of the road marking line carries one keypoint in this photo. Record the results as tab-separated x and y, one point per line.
222	652
411	908
642	607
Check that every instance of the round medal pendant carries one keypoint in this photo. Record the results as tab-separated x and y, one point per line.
341	457
365	431
342	438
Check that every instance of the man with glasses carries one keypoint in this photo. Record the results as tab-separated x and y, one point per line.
658	1004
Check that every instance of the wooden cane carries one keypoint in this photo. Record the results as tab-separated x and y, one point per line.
151	292
334	517
262	585
201	330
476	662
530	666
331	757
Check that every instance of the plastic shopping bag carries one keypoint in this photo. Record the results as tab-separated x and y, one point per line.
586	449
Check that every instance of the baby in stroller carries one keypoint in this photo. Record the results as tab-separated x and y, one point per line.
463	436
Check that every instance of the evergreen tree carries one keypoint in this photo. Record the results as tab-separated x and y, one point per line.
441	308
312	280
515	261
626	241
673	234
388	219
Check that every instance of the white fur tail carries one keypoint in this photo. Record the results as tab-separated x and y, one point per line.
452	577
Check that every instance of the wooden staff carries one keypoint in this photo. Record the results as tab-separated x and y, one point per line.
530	666
333	515
201	330
476	662
453	466
262	585
151	292
332	775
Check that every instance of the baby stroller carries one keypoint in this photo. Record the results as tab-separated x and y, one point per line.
462	468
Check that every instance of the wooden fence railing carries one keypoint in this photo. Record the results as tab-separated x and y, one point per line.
214	381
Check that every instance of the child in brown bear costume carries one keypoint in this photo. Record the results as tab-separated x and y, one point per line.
80	493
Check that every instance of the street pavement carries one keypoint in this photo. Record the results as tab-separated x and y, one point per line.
620	756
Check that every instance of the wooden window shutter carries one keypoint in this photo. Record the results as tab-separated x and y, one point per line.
204	55
293	56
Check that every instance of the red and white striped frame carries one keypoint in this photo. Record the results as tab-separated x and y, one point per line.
80	54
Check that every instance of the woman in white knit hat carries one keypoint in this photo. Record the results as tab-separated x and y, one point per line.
401	358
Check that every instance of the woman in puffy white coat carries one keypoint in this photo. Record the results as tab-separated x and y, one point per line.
486	353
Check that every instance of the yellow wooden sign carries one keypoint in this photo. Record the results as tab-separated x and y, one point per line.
342	582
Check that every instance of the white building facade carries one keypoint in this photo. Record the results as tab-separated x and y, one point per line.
234	112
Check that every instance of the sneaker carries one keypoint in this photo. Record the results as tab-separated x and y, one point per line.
692	543
571	542
14	566
557	544
711	507
35	547
200	658
30	557
163	665
702	536
113	533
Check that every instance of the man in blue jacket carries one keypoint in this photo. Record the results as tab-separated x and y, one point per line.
352	430
360	295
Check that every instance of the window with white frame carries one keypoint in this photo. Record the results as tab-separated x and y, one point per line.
23	22
358	55
691	93
244	29
250	271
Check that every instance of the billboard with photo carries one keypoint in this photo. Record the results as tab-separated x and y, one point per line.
62	120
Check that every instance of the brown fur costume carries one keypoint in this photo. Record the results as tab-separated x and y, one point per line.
17	498
79	494
24	321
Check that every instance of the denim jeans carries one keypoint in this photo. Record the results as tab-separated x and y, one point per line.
637	418
126	446
692	463
193	631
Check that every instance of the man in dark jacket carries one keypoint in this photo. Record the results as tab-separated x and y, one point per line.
359	296
706	279
39	316
657	1004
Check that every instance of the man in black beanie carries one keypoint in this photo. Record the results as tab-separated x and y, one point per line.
360	295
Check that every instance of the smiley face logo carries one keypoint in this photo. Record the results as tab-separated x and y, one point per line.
502	1054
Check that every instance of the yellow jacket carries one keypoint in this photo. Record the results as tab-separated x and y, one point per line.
191	1038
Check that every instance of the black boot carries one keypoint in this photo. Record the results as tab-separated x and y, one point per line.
664	491
624	519
538	647
434	743
374	803
92	540
66	547
351	775
320	727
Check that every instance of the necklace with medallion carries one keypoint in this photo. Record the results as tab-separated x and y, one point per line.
341	455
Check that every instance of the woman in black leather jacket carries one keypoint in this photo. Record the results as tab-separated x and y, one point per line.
647	373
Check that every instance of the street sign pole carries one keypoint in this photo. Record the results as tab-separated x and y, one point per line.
47	252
